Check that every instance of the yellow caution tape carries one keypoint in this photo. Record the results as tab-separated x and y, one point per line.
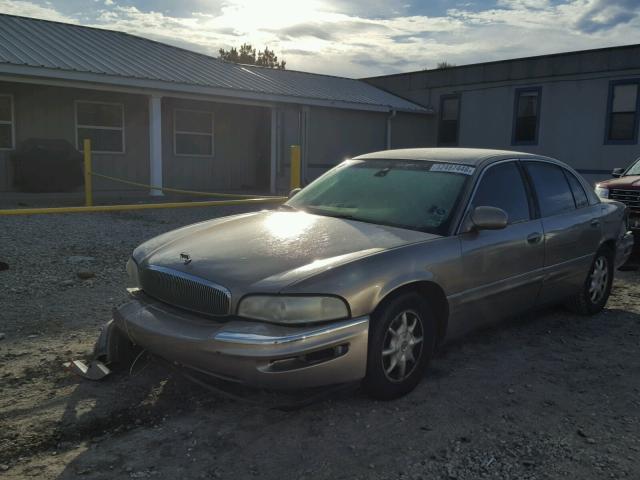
178	190
143	206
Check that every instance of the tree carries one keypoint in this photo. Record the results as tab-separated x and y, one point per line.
247	55
445	64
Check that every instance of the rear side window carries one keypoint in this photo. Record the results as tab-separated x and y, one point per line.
578	192
552	189
502	187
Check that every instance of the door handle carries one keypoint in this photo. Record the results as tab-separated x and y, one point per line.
595	222
534	238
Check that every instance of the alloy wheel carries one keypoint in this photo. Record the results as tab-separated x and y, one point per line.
599	279
402	346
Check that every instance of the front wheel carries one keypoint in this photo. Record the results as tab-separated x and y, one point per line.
597	287
401	343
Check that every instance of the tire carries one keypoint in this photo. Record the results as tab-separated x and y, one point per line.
597	286
403	332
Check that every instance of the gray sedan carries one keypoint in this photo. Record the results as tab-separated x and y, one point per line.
368	270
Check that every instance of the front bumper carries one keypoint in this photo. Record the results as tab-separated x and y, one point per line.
253	353
624	248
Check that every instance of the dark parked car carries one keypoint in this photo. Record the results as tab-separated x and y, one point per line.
625	188
370	268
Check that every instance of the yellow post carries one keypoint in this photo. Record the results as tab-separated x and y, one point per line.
88	181
295	167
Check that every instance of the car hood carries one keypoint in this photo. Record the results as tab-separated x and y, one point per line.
266	251
631	182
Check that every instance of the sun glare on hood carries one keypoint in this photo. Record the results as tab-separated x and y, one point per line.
289	225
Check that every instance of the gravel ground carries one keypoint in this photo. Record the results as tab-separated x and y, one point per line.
548	395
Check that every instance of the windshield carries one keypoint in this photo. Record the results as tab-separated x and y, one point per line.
417	195
634	169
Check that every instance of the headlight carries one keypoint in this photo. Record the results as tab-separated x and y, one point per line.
133	282
602	192
292	310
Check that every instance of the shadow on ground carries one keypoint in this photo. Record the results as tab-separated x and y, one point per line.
540	396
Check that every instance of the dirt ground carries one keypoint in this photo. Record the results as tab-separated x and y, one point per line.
549	395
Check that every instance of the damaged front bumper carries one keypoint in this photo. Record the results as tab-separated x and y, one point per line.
253	353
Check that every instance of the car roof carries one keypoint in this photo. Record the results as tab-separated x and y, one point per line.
466	156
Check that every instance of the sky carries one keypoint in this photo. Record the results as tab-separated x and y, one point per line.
360	38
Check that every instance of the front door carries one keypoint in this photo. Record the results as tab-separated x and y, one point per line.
502	269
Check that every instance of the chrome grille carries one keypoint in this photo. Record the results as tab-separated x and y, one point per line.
631	198
184	290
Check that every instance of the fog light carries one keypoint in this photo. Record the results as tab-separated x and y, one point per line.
308	359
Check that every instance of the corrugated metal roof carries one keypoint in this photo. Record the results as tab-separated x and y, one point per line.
72	48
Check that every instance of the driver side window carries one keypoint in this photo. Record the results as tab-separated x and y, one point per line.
502	186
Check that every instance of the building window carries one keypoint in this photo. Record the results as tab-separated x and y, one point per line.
622	118
103	124
6	122
526	116
449	120
193	133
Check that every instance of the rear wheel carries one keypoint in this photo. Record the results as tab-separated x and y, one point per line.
597	287
401	343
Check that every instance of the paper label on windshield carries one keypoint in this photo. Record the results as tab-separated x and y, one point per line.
452	168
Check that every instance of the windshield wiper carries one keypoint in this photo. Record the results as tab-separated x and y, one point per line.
326	213
346	216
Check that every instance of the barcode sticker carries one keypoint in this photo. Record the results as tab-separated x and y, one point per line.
452	168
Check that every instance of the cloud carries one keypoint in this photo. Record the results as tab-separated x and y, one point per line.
606	14
376	9
297	52
331	30
361	37
528	4
30	9
312	29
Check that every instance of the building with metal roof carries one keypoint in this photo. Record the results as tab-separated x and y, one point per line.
161	114
52	49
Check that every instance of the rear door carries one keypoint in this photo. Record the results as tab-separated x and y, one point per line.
571	227
502	269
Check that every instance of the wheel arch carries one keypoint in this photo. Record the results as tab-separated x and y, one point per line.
434	294
609	244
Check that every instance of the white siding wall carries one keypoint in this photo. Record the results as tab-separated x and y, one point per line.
575	90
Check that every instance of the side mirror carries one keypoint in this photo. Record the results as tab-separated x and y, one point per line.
294	191
488	218
617	172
